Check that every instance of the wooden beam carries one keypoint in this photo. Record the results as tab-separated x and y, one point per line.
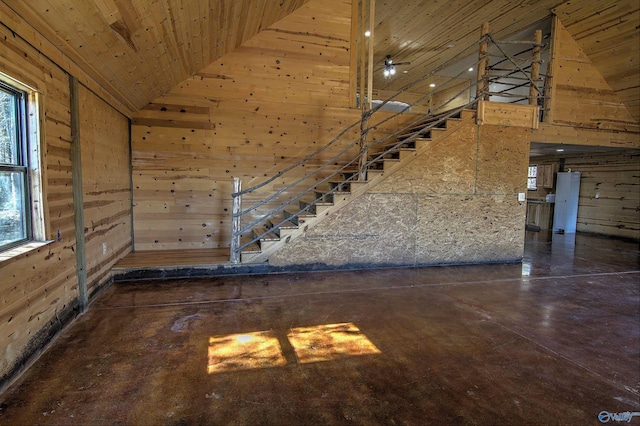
482	65
549	86
78	202
353	61
535	68
236	221
363	58
372	12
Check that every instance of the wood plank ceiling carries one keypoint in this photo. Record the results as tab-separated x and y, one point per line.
140	49
427	33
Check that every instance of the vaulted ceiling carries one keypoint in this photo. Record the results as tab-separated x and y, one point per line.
140	49
427	33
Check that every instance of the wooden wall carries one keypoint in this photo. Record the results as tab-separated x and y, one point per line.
607	32
106	185
581	97
139	49
39	288
262	107
613	176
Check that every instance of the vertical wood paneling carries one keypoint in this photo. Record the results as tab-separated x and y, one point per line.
262	107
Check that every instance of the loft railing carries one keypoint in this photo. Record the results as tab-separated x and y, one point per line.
501	76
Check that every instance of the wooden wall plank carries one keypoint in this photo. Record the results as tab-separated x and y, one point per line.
607	32
609	201
269	103
137	49
105	185
582	97
39	288
39	285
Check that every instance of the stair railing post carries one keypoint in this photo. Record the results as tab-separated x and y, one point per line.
235	221
534	92
364	147
483	63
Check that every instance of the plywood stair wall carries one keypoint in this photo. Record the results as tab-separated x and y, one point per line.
335	194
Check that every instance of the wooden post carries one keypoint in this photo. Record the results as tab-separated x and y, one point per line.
372	11
483	58
535	68
549	87
366	106
356	39
78	202
364	147
235	221
363	57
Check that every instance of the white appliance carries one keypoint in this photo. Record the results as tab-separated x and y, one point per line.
565	214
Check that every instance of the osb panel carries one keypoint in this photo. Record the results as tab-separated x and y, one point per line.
473	229
447	166
374	229
503	158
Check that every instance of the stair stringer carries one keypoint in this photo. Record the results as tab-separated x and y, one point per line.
375	177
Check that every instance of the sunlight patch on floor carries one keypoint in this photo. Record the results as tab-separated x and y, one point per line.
329	342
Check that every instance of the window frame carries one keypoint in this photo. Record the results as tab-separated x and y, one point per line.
22	162
532	176
32	165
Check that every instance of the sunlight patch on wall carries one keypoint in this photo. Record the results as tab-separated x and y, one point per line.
244	351
329	342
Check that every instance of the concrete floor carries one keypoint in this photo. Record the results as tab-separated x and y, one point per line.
554	340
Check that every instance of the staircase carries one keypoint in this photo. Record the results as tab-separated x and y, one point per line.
334	194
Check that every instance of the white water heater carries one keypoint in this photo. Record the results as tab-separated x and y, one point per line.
565	214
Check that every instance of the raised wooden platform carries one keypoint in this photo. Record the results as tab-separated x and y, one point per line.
173	258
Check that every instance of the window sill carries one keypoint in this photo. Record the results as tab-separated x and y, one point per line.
22	249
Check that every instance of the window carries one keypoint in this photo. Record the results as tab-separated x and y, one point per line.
532	178
20	203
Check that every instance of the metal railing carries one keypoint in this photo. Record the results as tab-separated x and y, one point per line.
501	68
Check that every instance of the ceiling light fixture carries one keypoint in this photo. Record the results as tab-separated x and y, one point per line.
470	69
432	85
367	33
560	150
389	68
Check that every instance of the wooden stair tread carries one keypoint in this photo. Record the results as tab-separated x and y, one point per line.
269	234
251	248
284	225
